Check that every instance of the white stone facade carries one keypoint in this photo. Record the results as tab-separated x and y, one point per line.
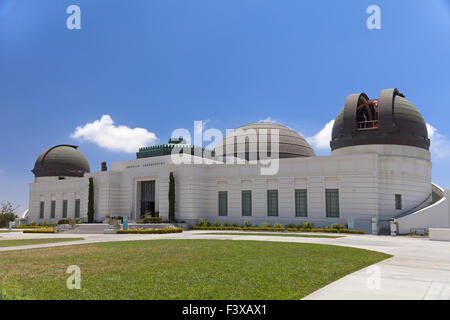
368	178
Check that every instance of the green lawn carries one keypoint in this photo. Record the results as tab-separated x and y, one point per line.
271	234
3	231
180	269
26	242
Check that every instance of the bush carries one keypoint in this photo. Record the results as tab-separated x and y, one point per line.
326	230
278	225
34	223
150	231
247	224
63	221
307	225
235	224
149	220
40	230
338	226
217	224
226	224
5	218
265	225
201	223
291	226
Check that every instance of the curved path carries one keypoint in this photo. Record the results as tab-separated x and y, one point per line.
419	268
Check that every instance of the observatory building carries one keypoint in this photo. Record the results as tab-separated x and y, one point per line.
379	170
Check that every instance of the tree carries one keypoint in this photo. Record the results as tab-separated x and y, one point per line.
7	213
90	212
171	197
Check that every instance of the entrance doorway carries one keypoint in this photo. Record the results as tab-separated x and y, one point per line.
148	198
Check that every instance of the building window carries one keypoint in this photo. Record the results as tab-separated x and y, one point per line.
223	203
41	210
332	202
301	203
272	202
53	209
246	202
77	208
398	202
64	210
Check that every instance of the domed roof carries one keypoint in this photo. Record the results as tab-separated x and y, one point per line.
248	138
390	119
61	161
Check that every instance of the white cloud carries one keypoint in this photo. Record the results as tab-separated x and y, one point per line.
321	140
269	120
440	145
105	134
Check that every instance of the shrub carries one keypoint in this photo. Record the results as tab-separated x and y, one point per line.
217	224
201	223
39	230
150	231
226	224
235	224
291	226
278	225
337	226
307	225
265	225
34	223
5	218
63	221
247	224
150	220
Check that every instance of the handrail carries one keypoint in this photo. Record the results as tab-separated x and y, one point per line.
435	190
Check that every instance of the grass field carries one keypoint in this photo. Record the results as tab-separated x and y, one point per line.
180	269
26	242
5	231
270	234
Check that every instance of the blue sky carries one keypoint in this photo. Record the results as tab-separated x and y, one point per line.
161	64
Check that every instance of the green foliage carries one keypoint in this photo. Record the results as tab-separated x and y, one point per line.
217	224
201	223
274	228
338	226
40	230
150	220
226	224
171	197
265	225
34	223
150	231
45	223
307	225
291	225
247	224
5	218
235	224
90	212
63	221
278	225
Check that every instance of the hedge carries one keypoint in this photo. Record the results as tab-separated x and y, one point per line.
40	230
279	229
26	227
150	231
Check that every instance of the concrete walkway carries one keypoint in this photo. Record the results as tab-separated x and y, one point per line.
419	268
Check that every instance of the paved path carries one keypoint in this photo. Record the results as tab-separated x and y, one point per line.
420	268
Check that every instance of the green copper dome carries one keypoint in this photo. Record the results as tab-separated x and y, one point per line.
61	161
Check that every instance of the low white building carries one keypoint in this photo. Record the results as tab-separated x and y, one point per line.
379	168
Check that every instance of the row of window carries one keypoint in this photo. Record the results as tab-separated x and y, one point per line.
64	209
301	203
